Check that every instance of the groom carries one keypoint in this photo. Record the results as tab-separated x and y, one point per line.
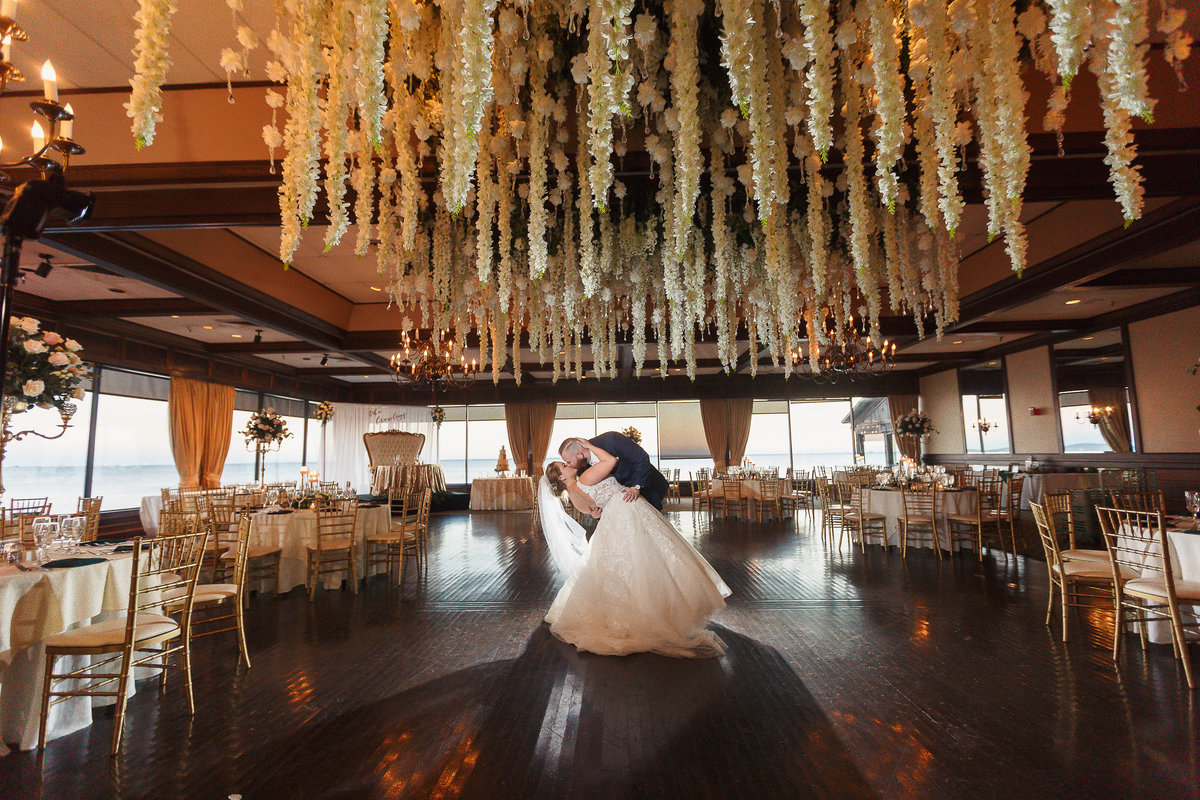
633	471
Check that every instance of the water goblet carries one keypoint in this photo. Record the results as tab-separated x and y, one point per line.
1192	499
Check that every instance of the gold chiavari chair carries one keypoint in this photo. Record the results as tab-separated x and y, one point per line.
866	524
29	507
175	523
388	548
833	509
334	549
231	594
89	509
1075	582
1137	501
161	566
416	533
1057	506
222	524
1137	542
769	497
920	518
731	494
700	495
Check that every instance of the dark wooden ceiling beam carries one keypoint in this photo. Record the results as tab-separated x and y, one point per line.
1157	277
133	307
265	348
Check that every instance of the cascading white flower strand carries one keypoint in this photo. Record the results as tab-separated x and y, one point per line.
470	97
683	23
301	137
150	66
336	110
819	74
889	100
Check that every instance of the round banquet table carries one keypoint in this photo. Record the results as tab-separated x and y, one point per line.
295	530
1038	483
890	503
33	607
414	477
751	490
502	494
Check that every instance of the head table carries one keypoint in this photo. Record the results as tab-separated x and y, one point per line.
34	606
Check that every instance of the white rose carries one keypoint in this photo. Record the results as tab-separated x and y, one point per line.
78	393
29	325
33	388
74	346
34	346
59	359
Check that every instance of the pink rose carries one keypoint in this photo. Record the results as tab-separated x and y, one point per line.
59	360
51	338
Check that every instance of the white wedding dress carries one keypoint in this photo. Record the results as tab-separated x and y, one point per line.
640	586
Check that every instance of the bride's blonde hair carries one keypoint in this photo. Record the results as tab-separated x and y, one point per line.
555	477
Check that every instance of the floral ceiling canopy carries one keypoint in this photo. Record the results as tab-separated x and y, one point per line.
605	168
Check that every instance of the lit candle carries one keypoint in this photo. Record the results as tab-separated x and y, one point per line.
49	82
68	125
39	137
6	48
9	9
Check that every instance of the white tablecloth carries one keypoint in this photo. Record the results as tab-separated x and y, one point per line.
502	494
890	503
1037	484
1185	556
295	531
33	607
151	505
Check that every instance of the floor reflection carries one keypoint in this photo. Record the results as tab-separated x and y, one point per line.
554	723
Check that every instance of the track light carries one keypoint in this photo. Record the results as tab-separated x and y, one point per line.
258	336
43	268
324	359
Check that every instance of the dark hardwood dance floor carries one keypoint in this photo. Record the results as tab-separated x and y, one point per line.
847	676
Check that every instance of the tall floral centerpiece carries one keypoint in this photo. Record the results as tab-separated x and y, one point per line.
264	433
324	412
44	371
910	429
634	434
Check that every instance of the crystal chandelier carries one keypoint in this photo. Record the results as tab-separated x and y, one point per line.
431	363
851	352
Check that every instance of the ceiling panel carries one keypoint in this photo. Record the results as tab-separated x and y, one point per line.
218	329
81	283
1081	303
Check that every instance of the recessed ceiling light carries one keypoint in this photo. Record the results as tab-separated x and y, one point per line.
957	341
376	289
207	327
1088	338
1073	302
993	363
236	335
117	291
174	316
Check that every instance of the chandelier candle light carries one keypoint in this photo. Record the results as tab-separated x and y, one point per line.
432	363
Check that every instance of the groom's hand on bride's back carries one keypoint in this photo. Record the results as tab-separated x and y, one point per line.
594	511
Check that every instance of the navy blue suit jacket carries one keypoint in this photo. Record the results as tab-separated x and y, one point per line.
633	466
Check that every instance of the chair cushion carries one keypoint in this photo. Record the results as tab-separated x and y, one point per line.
255	551
1092	570
1157	587
332	545
867	516
208	592
1079	554
112	632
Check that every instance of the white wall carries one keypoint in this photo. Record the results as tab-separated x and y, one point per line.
941	401
1030	386
1163	349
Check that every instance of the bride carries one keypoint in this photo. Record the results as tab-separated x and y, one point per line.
638	585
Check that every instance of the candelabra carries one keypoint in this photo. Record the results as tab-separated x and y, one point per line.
983	425
430	362
31	205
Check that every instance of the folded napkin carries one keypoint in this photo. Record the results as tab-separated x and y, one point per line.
280	511
96	543
72	562
123	548
368	505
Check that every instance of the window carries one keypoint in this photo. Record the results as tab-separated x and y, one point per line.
821	433
1080	435
486	434
133	449
768	443
993	412
681	442
37	467
452	444
239	461
570	420
284	463
620	416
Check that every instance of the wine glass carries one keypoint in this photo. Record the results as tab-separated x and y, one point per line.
71	529
1193	505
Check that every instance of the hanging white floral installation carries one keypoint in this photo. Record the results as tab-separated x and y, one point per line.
571	169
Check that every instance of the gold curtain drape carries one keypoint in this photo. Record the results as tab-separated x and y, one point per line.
218	431
529	427
1113	427
726	428
200	424
898	406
